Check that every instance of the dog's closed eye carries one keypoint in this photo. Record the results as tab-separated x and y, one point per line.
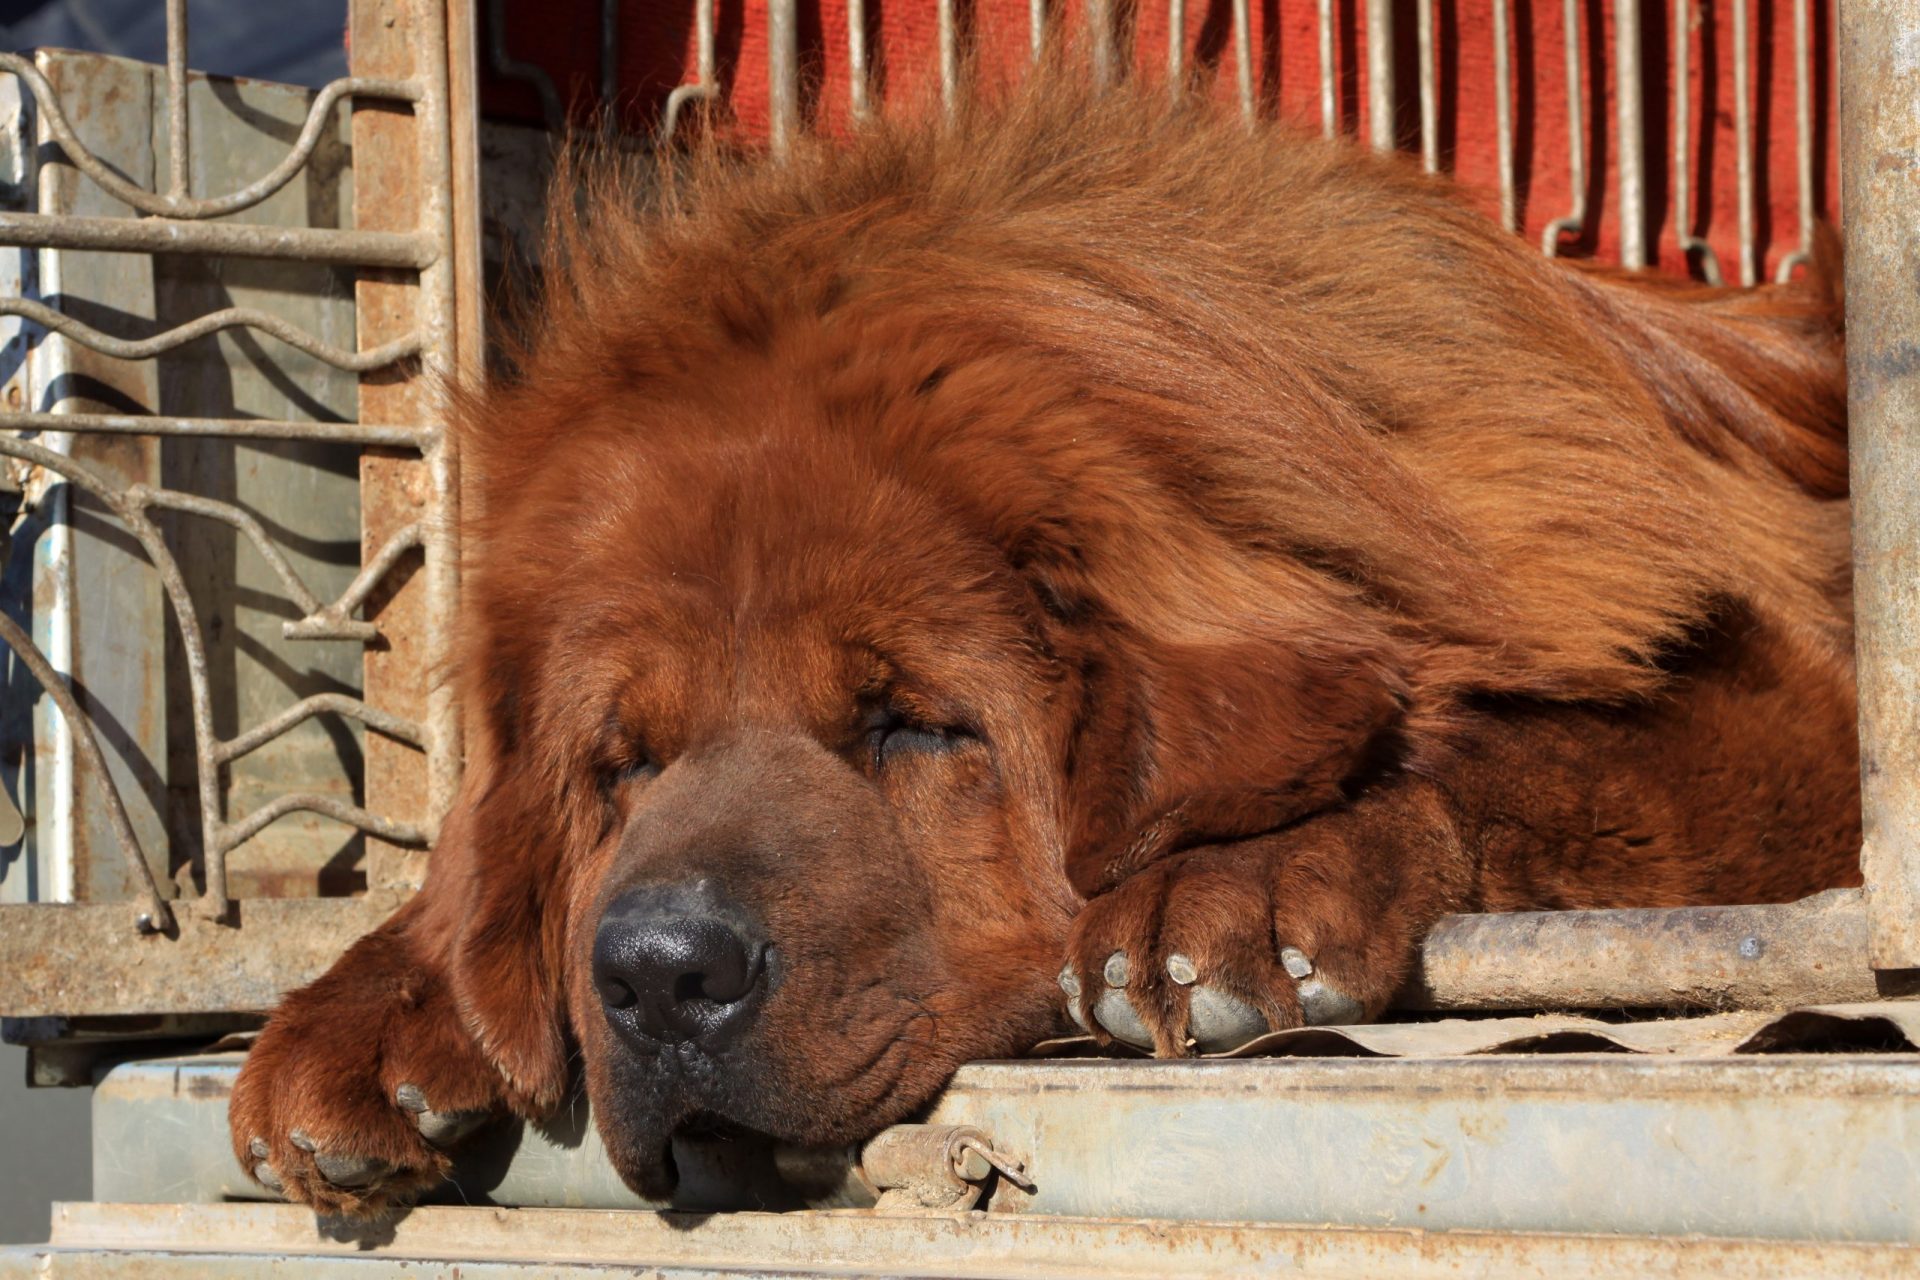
892	737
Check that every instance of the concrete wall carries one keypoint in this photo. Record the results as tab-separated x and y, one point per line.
46	1141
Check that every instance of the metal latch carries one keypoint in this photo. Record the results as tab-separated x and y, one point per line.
909	1168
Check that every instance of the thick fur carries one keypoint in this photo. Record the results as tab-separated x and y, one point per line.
1260	548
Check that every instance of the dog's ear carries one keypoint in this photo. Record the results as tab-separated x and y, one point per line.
492	898
1203	738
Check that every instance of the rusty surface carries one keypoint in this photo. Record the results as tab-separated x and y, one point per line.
1880	163
85	959
393	484
1768	957
232	1240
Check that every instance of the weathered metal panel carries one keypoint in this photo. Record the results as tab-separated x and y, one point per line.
155	1242
1781	1147
95	601
89	959
1880	164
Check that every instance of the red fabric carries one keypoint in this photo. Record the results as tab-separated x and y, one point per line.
656	51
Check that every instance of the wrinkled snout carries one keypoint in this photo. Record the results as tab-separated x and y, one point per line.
679	964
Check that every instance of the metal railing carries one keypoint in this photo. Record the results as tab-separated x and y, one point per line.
177	221
1629	81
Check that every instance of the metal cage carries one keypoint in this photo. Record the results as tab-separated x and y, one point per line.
174	939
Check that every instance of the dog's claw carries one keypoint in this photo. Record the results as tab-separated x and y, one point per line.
1071	986
1180	969
1326	1006
1218	1022
1296	963
299	1138
264	1173
1116	972
441	1128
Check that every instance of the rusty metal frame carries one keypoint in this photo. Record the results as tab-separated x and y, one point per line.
178	222
1880	143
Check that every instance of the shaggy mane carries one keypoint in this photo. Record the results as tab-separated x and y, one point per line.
1490	472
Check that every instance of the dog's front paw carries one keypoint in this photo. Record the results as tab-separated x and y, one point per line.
361	1082
1207	949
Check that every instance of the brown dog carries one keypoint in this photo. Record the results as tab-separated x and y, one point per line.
1086	532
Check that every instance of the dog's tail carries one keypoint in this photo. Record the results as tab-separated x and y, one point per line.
1759	370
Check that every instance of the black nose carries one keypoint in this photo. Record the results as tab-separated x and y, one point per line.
678	963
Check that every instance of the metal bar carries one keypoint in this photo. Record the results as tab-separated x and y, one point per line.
1880	136
1177	47
949	37
339	704
231	318
180	204
704	89
401	250
1329	102
783	73
1243	57
234	834
217	428
79	960
155	914
335	621
399	185
1429	88
551	109
1380	74
1503	110
859	82
609	51
1576	218
440	326
1036	28
243	521
1743	138
1802	136
1771	957
1553	960
178	169
1629	115
242	1241
1691	246
1099	17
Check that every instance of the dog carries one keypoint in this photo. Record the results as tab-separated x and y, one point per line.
1079	532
